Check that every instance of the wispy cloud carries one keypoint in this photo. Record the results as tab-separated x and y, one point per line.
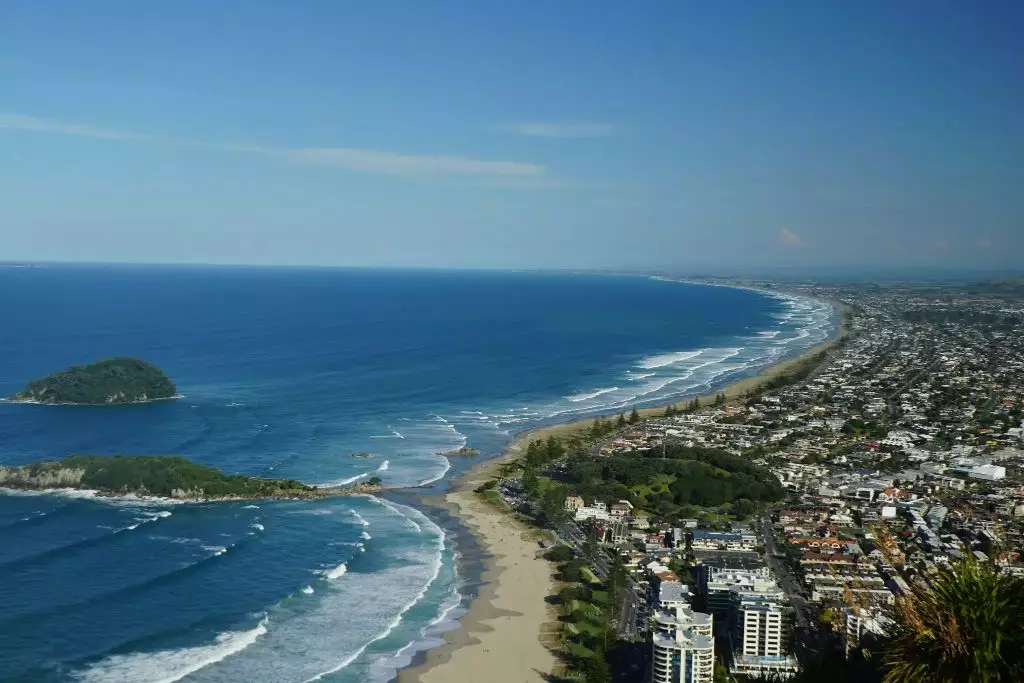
31	123
353	159
789	238
375	161
557	130
985	243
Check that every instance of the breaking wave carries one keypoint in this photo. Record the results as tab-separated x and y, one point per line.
167	666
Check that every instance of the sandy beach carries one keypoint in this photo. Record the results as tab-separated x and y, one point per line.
501	638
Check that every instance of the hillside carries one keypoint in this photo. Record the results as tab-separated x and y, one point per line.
107	382
148	475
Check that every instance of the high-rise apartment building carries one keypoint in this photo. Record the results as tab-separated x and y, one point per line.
683	647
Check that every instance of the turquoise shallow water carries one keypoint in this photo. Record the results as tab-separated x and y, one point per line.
287	372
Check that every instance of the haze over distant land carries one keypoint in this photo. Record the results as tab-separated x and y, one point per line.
767	138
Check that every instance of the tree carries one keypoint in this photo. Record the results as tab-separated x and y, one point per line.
530	480
634	416
670	410
596	670
560	553
373	481
964	628
620	421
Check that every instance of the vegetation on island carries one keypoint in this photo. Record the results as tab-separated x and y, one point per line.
112	381
148	475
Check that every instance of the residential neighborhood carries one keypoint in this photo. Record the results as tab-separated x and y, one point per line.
899	452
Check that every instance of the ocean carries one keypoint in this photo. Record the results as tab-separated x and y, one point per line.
288	373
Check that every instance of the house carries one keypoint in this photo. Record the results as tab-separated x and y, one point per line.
621	509
573	503
720	540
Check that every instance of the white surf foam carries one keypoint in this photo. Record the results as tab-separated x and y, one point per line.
337	572
167	666
385	667
591	395
359	518
440	475
257	526
437	564
660	361
308	590
636	376
365	536
251	507
395	508
384	466
343	482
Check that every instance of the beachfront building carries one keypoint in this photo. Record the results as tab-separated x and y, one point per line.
597	511
573	503
760	632
723	541
673	595
715	581
621	509
683	647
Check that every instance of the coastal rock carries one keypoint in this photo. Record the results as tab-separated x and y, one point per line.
463	452
40	477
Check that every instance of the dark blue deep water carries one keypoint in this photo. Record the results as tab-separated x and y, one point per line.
287	373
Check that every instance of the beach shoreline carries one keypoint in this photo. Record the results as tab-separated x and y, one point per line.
501	636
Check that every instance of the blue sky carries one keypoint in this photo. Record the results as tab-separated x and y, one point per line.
481	133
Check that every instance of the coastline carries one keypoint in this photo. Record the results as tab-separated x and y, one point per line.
33	402
504	628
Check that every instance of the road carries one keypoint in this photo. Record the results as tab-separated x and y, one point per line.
807	637
782	573
627	626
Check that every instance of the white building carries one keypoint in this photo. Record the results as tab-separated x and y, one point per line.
723	540
858	621
597	511
761	632
989	472
683	647
716	584
673	595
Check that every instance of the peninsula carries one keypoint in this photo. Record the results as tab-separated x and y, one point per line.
159	476
107	382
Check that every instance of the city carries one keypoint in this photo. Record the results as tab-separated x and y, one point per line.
899	451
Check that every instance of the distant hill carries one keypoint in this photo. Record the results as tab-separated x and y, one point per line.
113	381
1013	288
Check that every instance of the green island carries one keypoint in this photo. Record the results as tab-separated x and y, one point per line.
160	476
107	382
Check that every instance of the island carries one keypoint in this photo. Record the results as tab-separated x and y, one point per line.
107	382
160	477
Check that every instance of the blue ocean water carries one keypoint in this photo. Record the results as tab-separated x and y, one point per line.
288	373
